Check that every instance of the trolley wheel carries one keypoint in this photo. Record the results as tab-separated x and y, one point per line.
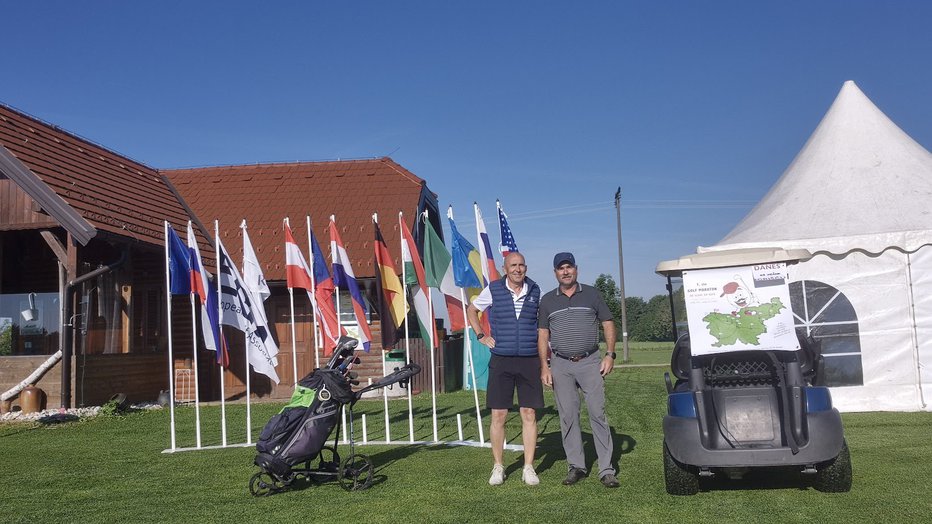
263	484
356	473
329	459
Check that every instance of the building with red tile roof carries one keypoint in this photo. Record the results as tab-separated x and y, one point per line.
82	255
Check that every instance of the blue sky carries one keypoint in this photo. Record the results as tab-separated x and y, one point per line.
693	108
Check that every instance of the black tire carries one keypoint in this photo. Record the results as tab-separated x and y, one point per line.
679	478
834	476
356	473
262	485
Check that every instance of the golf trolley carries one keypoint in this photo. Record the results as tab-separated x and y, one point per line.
730	412
293	445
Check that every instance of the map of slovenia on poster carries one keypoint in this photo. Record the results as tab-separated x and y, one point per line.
739	309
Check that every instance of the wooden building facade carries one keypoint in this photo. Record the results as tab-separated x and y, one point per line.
82	260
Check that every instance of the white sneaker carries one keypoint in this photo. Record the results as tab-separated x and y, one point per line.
498	475
529	476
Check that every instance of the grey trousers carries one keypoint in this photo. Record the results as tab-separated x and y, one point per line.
567	377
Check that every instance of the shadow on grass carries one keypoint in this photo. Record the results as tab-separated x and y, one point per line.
759	479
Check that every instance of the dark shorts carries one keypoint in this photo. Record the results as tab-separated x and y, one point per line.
507	374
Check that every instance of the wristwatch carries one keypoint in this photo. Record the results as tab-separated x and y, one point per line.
479	336
612	354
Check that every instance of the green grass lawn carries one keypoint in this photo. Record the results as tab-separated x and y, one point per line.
645	353
112	469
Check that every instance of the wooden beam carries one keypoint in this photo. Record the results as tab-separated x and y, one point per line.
56	246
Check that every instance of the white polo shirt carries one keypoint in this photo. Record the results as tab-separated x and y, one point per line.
484	299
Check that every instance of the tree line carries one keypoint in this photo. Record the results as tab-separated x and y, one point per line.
648	321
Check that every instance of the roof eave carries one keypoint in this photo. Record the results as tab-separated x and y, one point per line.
79	228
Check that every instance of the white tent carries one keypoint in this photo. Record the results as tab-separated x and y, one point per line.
859	197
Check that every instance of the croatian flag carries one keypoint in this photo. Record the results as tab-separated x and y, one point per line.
213	338
344	277
323	293
508	241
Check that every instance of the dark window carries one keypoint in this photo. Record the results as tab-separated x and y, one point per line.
825	313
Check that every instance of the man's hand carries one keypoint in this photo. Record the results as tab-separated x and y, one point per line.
608	363
488	341
546	377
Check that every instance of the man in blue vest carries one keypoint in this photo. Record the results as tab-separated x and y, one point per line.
570	316
512	308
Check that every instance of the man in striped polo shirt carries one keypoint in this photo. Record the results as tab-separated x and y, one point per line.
568	325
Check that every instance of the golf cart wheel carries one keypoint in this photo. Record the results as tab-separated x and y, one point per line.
680	480
834	476
262	485
356	473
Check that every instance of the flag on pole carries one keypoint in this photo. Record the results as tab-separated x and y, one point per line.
241	309
297	272
253	276
179	264
489	272
508	240
467	265
392	305
344	277
323	293
207	291
417	280
438	268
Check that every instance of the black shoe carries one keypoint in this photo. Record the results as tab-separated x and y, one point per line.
574	476
609	481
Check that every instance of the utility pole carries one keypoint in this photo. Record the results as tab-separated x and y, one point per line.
621	280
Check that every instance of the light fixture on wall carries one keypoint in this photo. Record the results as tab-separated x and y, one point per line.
32	312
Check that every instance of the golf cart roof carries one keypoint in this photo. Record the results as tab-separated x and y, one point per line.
731	258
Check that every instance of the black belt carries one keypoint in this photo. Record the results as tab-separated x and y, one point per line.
577	358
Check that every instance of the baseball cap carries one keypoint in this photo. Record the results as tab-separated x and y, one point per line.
563	258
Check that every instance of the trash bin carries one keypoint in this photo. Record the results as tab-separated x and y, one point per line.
453	364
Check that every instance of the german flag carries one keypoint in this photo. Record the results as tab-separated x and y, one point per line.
392	305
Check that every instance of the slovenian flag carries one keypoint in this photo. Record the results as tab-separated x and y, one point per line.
344	277
213	338
489	272
508	240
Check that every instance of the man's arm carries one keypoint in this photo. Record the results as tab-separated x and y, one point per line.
608	363
472	316
543	348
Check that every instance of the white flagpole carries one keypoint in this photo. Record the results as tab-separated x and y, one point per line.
246	353
223	396
197	388
171	355
404	288
294	342
472	368
467	343
388	438
433	363
335	287
313	296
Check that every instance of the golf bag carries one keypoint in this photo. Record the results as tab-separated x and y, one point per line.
300	430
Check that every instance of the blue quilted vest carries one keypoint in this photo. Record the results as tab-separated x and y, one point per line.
514	336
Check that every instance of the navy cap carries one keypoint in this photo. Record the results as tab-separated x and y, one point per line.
564	258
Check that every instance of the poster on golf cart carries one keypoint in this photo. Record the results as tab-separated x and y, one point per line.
739	309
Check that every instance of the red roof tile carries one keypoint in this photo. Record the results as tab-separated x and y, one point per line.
110	191
264	194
